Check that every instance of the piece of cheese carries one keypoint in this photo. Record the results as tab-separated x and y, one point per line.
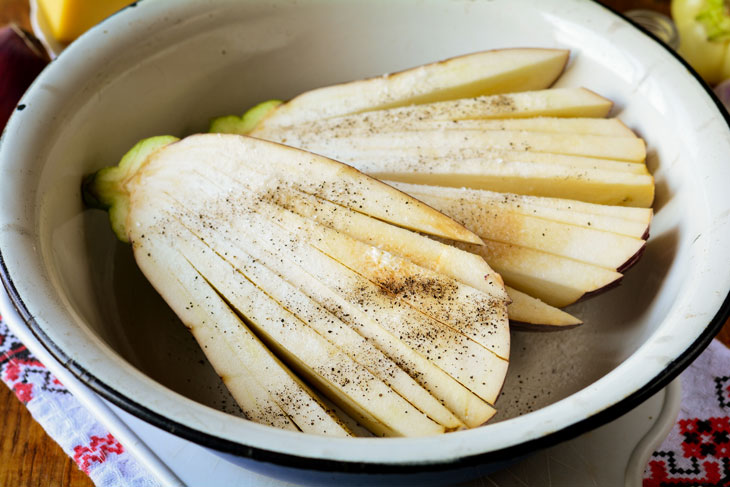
68	19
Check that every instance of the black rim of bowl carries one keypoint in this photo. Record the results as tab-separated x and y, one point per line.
326	465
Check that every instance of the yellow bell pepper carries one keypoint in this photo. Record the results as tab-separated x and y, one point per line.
704	36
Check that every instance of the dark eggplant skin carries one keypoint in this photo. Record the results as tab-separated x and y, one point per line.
532	327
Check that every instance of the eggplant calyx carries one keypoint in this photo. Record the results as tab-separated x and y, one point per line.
244	124
106	189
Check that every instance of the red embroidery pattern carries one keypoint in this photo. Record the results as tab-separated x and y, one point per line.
24	392
99	448
20	370
20	375
23	374
706	452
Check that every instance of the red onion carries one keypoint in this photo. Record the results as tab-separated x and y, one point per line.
22	58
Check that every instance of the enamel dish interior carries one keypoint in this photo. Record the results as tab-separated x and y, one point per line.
167	67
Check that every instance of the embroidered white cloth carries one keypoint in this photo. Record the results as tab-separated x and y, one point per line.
696	452
92	447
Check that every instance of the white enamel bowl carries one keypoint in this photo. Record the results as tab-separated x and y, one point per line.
167	67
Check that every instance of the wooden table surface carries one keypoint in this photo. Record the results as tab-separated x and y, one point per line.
28	457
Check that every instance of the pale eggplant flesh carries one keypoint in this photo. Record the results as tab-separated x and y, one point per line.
241	218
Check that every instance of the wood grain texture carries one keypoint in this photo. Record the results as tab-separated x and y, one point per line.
28	457
15	11
724	335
